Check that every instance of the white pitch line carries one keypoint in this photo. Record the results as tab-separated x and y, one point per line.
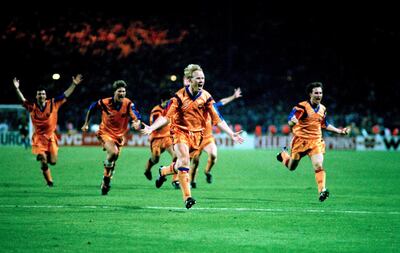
276	210
215	209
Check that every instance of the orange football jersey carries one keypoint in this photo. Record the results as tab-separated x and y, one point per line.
311	120
45	120
115	117
190	112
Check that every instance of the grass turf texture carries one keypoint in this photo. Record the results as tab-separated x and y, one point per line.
253	205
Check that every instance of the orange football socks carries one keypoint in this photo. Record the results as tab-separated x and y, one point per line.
183	177
320	178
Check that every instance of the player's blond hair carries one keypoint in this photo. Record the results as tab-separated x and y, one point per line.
188	72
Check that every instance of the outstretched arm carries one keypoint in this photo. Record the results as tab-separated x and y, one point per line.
16	84
236	94
160	122
75	81
235	136
344	131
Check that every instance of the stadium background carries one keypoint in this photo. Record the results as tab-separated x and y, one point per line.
271	53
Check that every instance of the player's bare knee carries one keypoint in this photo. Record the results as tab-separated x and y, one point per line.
185	162
317	165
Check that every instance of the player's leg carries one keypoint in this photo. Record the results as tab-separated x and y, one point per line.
289	161
154	159
293	163
175	180
42	147
292	160
164	171
44	166
52	155
155	147
183	165
109	164
211	150
316	153
194	164
320	175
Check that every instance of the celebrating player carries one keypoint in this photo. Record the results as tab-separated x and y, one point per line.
115	114
44	115
306	119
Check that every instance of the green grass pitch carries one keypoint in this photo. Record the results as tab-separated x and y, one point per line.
253	205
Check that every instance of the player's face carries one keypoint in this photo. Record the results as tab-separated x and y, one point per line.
119	94
41	96
197	81
316	95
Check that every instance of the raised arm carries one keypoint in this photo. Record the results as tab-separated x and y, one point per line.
136	117
89	113
236	94
16	85
75	81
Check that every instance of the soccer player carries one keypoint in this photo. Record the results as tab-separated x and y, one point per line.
44	114
115	114
306	120
187	112
160	140
208	144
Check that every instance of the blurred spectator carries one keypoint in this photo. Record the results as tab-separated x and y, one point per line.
70	128
285	129
376	129
238	128
272	129
216	130
258	130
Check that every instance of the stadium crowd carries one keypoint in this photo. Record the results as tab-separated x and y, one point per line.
270	58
